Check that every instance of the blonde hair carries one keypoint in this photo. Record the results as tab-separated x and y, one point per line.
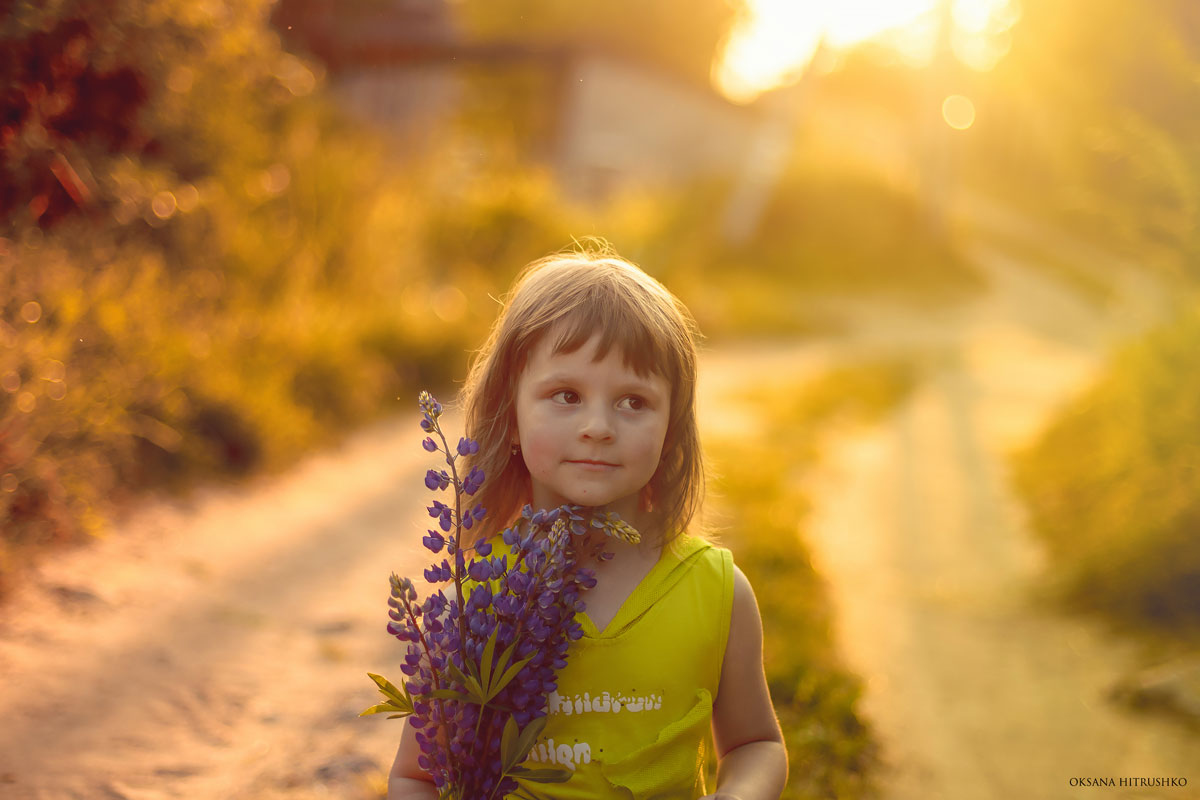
573	296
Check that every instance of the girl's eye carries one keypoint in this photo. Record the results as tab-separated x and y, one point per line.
565	396
633	403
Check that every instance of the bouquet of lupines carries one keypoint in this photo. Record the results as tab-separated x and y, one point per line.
482	662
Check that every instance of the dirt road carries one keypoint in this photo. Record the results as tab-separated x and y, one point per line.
978	691
219	649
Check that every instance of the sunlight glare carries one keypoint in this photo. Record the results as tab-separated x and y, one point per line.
959	112
778	38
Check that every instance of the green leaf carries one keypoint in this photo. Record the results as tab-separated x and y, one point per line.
384	708
507	677
529	735
474	691
400	698
509	742
385	686
485	663
501	666
547	775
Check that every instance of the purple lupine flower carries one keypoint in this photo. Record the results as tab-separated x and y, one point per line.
518	612
473	480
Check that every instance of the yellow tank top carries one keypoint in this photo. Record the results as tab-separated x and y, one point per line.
633	709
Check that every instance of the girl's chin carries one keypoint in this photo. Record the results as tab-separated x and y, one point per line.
623	509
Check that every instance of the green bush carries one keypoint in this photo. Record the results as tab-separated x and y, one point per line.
243	275
1113	485
207	270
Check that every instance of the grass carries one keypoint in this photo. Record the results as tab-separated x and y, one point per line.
761	508
1113	488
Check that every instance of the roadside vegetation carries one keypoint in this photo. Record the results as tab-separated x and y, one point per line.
759	513
207	270
1113	487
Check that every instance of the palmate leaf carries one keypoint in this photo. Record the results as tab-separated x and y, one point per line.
482	684
398	700
384	708
515	745
508	675
529	736
389	689
485	662
488	671
473	691
508	745
544	775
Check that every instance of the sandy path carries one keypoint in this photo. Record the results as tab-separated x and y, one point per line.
219	650
977	690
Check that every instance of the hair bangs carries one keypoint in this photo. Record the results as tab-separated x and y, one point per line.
617	324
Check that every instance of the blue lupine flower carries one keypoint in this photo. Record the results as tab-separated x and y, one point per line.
473	480
529	600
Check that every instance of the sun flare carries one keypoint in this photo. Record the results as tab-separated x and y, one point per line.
779	37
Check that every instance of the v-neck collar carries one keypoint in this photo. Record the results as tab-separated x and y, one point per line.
671	565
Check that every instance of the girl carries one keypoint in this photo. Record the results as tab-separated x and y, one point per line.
585	394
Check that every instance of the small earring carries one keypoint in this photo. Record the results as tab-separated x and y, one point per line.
647	499
515	449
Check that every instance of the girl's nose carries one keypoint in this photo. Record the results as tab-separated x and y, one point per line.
596	424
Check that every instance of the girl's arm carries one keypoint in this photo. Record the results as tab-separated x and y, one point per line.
752	761
407	781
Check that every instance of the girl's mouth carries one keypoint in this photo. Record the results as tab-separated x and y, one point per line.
598	466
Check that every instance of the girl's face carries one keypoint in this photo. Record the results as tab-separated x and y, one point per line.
591	432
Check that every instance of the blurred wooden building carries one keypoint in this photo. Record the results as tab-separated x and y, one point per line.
601	120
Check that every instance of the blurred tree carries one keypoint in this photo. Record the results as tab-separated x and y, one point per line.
187	284
1097	102
63	101
682	35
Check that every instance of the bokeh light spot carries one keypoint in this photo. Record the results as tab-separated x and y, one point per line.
449	303
10	382
275	178
57	391
9	482
295	76
31	312
54	370
958	111
26	402
163	205
187	197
